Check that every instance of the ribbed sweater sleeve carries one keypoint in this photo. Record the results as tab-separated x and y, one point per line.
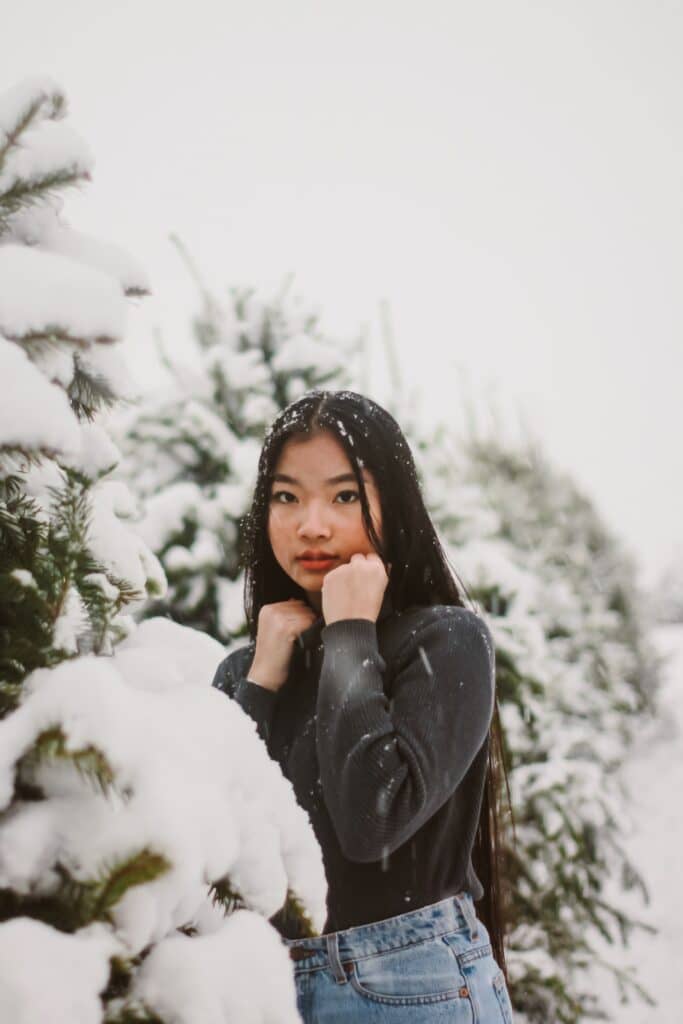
388	764
257	701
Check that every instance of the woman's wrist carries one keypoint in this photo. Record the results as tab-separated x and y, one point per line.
265	679
352	618
264	686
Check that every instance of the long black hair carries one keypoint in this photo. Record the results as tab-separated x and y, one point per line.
420	572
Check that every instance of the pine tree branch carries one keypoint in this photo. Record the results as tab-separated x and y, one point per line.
31	581
89	392
223	895
121	971
51	744
23	194
10	693
294	910
26	119
74	903
292	919
54	334
10	454
143	867
13	135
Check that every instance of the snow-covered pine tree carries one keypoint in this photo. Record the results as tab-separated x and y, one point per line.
191	448
576	671
145	836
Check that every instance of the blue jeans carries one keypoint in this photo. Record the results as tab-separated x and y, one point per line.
428	965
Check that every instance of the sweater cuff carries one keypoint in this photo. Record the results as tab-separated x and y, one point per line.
352	633
258	702
352	664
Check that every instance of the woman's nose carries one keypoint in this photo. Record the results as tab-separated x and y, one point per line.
313	522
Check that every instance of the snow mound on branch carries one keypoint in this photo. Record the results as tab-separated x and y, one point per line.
193	656
34	414
40	90
105	361
243	370
115	544
230	601
42	226
44	293
164	512
185	979
47	149
304	352
98	454
46	975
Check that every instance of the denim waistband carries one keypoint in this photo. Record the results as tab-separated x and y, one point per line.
455	913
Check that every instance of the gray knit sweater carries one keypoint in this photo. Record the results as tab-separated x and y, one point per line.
382	729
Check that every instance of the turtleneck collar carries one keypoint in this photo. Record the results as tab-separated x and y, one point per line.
311	636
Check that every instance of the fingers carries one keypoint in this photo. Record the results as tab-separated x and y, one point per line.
372	555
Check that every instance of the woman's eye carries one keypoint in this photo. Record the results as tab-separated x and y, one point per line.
354	493
276	495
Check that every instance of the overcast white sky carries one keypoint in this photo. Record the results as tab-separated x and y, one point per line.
506	175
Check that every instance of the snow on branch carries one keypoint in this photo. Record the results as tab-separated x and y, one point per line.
46	297
39	155
213	808
185	979
37	97
42	225
46	975
34	413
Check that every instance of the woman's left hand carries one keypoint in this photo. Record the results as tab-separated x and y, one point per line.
355	590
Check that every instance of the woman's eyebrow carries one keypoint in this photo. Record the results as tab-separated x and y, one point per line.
284	479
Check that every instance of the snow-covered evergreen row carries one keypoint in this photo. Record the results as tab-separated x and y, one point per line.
145	836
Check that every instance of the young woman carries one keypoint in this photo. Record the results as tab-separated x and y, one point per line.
373	686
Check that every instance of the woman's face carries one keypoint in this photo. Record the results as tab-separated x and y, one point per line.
312	510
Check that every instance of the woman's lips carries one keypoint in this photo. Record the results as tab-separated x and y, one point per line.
317	564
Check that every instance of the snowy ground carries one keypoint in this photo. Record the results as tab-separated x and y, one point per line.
654	777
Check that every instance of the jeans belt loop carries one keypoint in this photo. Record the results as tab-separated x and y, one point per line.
468	912
335	960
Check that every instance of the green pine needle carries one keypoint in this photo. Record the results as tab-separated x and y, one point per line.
294	911
74	904
54	334
223	895
143	867
10	693
89	392
23	194
51	744
55	103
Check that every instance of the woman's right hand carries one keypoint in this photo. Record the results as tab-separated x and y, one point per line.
279	626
